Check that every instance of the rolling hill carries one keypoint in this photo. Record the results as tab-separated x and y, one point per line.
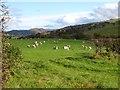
20	32
108	28
31	31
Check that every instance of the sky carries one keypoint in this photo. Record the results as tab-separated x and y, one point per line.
54	15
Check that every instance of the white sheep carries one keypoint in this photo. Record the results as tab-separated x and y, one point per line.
86	47
35	42
28	45
55	47
40	43
90	48
66	48
34	46
43	41
69	46
83	46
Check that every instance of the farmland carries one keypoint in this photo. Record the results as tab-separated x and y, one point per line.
44	67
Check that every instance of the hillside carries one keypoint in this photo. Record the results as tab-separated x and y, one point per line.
20	32
108	28
38	30
26	32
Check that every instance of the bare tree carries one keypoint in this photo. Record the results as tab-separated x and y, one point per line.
4	19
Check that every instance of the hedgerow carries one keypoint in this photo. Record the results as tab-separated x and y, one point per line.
11	57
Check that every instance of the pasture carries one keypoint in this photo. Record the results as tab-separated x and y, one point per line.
45	67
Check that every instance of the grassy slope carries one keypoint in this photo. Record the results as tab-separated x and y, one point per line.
109	30
47	68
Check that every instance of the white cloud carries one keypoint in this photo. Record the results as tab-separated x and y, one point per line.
106	11
100	13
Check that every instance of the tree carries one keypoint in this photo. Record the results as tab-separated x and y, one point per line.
4	18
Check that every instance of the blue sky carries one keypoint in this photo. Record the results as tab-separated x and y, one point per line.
54	15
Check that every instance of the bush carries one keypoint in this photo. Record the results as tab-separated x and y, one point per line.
11	58
109	47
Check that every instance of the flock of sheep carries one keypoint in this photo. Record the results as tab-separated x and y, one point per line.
36	44
65	47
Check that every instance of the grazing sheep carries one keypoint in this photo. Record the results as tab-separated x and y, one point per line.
28	45
90	48
69	46
83	41
35	42
34	46
55	47
86	47
83	46
43	41
40	43
66	48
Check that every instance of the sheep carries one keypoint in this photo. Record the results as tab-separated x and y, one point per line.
35	42
34	46
83	41
55	47
86	47
66	48
83	46
69	46
90	48
43	41
28	45
40	43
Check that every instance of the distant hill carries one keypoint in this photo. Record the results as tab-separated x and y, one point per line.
26	32
20	32
38	30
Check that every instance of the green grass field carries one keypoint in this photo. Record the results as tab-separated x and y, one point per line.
43	67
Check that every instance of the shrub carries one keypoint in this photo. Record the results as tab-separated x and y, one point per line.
107	47
11	58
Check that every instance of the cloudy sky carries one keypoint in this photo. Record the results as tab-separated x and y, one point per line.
52	15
